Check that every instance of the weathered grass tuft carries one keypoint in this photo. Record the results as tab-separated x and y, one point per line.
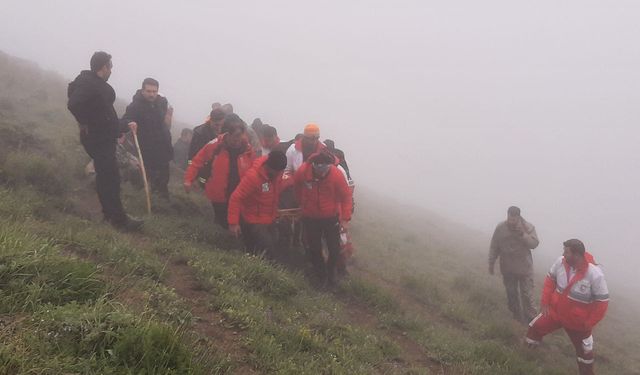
22	168
368	294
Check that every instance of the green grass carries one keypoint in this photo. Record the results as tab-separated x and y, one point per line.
78	297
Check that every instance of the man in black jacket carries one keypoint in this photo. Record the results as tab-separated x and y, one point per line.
205	133
91	103
149	115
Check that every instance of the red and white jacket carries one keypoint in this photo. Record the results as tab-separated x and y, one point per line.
577	297
256	198
323	198
216	186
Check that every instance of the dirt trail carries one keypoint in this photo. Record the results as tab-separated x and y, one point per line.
209	324
179	276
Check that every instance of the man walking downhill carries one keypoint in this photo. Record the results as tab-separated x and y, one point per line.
575	297
228	157
512	242
325	202
149	115
91	103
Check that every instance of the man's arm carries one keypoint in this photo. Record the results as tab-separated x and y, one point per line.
298	182
549	286
494	251
600	293
288	170
197	163
79	98
128	119
168	116
529	236
344	196
247	186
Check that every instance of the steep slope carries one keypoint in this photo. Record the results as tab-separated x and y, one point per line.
78	297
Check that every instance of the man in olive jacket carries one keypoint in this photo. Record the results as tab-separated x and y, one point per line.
91	101
512	242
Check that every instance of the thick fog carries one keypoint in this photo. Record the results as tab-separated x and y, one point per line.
461	107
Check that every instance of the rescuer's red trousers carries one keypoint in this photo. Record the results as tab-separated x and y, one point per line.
582	341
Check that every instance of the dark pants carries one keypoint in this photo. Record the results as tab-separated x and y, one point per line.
315	230
519	290
158	175
221	212
259	238
107	176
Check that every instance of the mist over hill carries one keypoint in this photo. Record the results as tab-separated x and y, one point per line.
411	247
464	109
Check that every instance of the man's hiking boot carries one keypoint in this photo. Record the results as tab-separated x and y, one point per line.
125	223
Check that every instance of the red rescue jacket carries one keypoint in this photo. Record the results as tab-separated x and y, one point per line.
256	198
216	186
580	302
323	198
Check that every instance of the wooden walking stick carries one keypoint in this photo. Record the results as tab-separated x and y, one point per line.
144	173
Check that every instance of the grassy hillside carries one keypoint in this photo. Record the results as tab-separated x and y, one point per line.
179	298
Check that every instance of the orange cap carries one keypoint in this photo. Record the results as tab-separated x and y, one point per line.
311	130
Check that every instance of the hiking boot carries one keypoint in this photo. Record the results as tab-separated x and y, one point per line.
125	223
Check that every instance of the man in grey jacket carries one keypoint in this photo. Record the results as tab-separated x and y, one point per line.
512	242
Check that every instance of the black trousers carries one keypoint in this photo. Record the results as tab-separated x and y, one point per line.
259	238
315	230
221	211
107	176
158	175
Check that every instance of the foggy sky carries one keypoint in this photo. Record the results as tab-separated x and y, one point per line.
461	107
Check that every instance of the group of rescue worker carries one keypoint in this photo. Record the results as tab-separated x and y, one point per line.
575	295
245	183
244	170
252	178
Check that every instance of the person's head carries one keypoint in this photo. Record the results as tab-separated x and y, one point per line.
573	252
269	137
227	108
150	89
311	135
298	137
331	145
216	105
186	134
216	119
101	64
276	162
513	216
235	129
321	163
257	125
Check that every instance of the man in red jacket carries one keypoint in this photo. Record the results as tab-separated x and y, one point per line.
325	202
253	206
231	157
575	297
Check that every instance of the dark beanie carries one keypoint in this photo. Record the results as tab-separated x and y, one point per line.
277	160
98	60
